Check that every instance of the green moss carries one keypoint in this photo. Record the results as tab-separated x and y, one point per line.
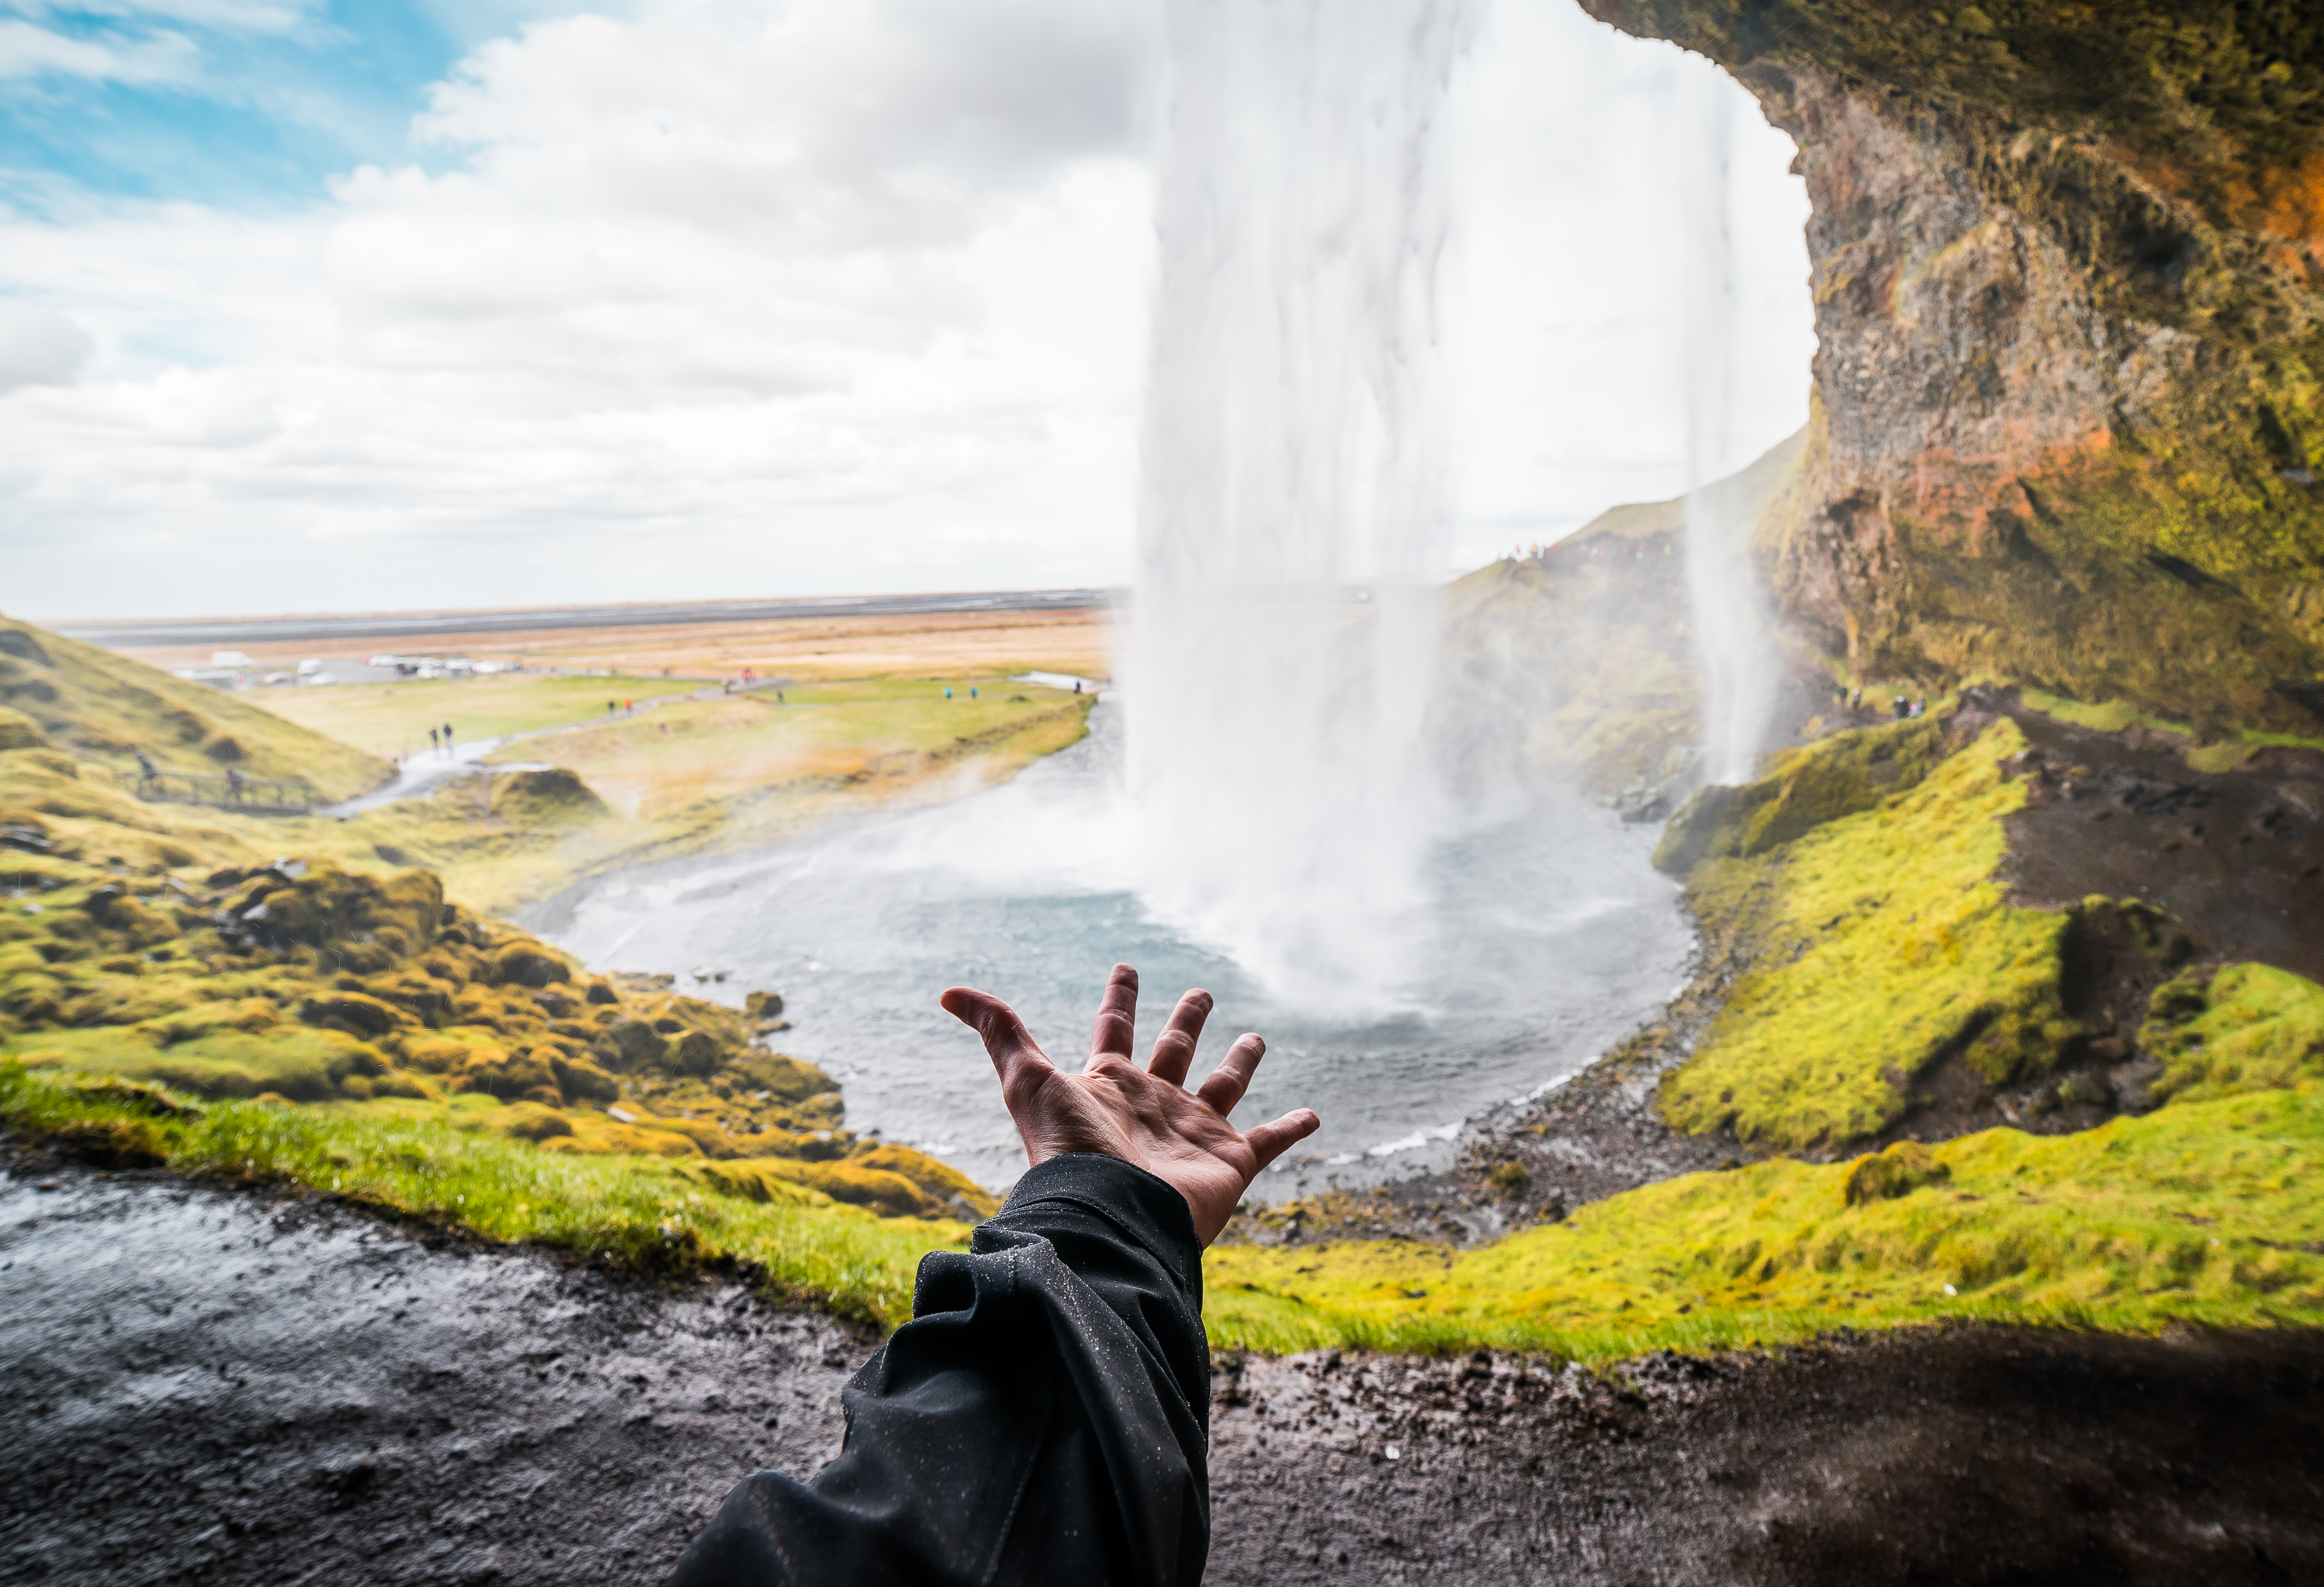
1834	777
945	1185
294	1062
106	707
2244	1028
635	1213
2201	1213
1904	1168
2110	716
1886	945
20	731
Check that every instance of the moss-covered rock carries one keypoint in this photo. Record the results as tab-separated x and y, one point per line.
1904	1168
546	796
1888	946
941	1183
20	731
2218	1031
1834	777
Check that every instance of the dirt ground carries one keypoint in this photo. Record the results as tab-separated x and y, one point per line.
204	1385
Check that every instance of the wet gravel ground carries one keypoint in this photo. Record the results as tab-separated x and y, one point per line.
208	1385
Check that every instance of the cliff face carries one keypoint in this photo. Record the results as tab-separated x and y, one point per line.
2069	274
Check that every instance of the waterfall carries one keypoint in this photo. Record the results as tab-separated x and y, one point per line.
1733	621
1282	640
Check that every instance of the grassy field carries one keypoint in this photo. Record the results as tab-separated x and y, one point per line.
923	644
394	718
697	752
689	777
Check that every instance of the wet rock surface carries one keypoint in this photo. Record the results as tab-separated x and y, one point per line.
209	1386
2236	858
204	1385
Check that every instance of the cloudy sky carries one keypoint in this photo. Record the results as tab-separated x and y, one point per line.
308	305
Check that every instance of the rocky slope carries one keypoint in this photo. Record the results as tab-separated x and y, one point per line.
2068	275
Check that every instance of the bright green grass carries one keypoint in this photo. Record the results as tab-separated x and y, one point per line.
1885	940
2242	1028
394	718
2208	1213
634	1212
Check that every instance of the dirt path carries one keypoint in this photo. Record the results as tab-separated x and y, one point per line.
210	1386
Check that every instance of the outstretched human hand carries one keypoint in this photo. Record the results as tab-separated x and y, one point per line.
1142	1116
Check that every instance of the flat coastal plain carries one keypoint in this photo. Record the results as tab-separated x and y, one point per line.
804	644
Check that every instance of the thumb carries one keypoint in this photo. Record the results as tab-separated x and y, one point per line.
1015	1055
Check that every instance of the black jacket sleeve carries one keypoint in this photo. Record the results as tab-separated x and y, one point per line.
1045	1417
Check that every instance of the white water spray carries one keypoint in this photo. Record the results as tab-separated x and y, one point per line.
1282	641
1733	622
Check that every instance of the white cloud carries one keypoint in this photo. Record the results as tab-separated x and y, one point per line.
39	347
260	16
717	296
29	51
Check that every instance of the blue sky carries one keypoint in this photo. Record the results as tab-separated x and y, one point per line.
317	304
233	102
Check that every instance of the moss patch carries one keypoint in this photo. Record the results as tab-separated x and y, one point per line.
105	708
1837	776
2244	1028
1888	946
2201	1213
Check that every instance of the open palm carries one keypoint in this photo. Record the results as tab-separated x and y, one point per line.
1143	1116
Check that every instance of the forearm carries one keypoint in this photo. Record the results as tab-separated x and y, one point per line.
1044	1418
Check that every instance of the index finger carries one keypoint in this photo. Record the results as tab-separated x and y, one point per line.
1117	1015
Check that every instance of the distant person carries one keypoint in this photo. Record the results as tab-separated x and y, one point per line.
972	691
234	784
1045	1417
448	738
947	691
1855	700
1078	686
1920	706
434	739
778	697
147	772
611	707
1903	707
